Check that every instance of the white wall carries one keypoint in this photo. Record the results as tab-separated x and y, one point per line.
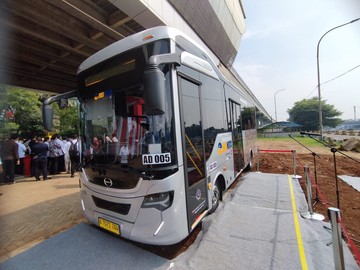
151	13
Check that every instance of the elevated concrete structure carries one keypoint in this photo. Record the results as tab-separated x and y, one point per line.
44	41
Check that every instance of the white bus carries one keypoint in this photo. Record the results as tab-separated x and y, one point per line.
163	133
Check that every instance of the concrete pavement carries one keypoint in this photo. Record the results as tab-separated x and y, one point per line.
32	211
258	226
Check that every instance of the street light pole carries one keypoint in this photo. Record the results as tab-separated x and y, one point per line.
355	111
275	102
318	73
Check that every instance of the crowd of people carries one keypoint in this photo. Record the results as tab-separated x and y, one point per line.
47	156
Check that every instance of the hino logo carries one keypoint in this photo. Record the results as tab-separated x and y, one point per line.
108	182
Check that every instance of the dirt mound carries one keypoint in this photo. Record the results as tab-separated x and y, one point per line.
352	144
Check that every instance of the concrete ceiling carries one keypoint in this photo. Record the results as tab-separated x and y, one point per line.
44	41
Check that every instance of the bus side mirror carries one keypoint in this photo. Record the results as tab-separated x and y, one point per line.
48	111
47	114
63	103
154	90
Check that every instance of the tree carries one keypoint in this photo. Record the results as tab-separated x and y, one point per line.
69	120
26	120
26	108
306	113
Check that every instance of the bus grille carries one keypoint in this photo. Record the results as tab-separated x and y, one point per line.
120	208
116	183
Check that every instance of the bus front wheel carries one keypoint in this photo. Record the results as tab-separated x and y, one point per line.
215	198
251	162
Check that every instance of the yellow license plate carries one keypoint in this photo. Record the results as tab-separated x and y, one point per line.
109	226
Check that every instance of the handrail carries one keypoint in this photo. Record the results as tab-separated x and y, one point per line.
193	147
197	168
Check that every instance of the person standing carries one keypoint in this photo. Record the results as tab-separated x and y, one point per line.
146	138
61	163
21	150
46	141
66	147
30	143
74	153
55	153
9	158
124	153
39	150
95	145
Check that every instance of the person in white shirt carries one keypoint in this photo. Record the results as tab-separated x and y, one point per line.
124	153
21	149
66	147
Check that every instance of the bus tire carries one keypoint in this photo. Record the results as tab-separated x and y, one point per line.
215	198
251	162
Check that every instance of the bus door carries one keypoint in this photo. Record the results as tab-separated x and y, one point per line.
235	120
193	147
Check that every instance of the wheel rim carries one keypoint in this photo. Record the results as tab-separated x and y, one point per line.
216	195
251	160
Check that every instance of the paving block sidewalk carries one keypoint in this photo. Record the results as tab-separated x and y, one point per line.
31	211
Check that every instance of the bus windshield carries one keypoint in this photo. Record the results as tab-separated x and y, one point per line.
117	131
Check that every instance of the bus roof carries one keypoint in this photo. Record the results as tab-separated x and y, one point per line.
133	41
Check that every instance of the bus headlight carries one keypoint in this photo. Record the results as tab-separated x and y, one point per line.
159	201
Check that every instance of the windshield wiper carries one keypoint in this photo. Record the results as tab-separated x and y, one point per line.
126	168
142	174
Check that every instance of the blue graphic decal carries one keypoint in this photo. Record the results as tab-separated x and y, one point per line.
198	194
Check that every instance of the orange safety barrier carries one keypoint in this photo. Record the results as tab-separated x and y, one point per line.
279	151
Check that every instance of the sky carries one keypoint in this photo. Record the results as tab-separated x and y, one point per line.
278	51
